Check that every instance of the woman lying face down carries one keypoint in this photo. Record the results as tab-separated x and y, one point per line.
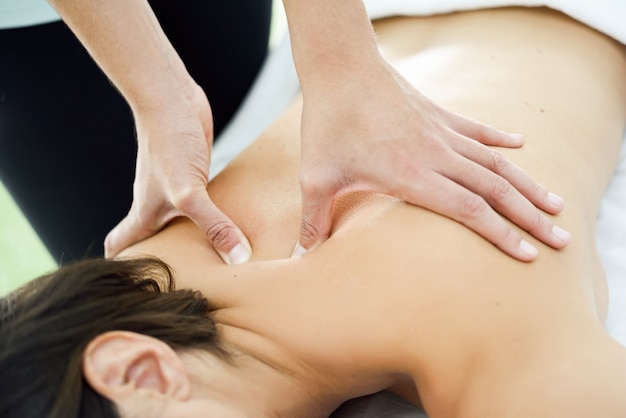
48	324
398	298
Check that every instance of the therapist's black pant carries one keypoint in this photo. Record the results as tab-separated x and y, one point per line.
67	141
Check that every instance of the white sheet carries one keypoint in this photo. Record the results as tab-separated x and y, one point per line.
277	85
607	16
611	239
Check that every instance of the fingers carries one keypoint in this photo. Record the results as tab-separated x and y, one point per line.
317	206
506	199
497	164
485	134
227	239
450	199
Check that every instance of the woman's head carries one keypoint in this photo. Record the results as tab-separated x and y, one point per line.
47	325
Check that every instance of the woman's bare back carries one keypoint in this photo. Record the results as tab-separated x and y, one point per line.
397	289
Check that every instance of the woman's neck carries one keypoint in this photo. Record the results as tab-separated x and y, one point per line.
263	380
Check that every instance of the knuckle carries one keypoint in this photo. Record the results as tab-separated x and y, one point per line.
538	223
220	234
509	238
183	200
473	207
308	233
498	162
319	188
481	131
435	145
110	245
536	190
140	221
311	186
311	183
407	166
500	189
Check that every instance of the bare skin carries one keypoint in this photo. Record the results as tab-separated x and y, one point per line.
401	298
334	45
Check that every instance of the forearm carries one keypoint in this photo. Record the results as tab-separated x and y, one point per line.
127	42
330	39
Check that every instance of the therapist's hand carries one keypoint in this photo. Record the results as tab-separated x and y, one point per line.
365	128
373	131
171	178
173	120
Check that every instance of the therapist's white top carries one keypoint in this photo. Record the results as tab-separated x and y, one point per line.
19	13
608	16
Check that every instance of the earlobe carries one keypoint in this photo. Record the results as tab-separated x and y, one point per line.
120	365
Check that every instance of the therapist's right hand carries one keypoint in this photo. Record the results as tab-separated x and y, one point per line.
174	145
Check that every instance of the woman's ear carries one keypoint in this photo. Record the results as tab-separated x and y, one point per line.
122	365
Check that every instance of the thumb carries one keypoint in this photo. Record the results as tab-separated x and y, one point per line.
316	221
227	239
129	231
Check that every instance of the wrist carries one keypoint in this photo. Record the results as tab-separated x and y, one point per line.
163	95
352	68
330	39
126	40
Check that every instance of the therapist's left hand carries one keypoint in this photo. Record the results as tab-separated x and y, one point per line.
373	131
172	174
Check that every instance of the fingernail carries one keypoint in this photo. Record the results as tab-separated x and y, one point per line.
528	249
561	234
517	137
298	251
239	254
555	200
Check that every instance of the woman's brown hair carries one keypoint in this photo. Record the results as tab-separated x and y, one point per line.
46	325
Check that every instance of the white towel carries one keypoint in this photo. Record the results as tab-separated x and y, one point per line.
608	16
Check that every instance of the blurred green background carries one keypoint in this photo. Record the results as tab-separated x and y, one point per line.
22	255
